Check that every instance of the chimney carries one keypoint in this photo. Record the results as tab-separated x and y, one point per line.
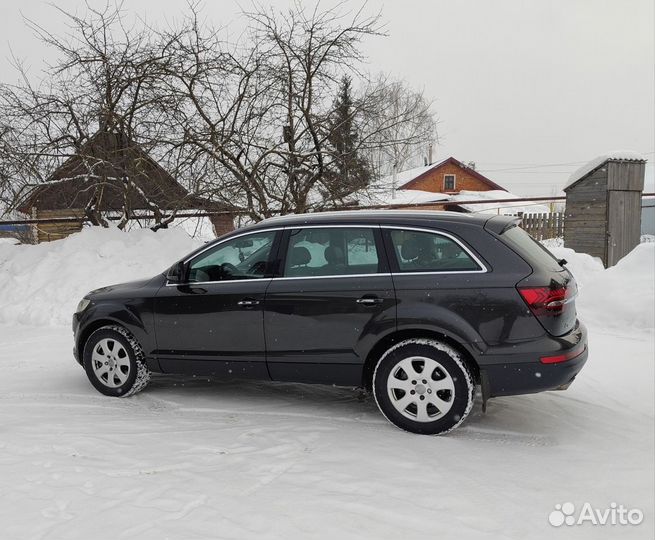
430	154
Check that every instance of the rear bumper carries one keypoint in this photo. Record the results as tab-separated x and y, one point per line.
524	373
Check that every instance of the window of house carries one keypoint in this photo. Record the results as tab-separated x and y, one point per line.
449	182
244	257
330	252
428	252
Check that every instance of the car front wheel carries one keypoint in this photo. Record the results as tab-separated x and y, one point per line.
114	362
423	386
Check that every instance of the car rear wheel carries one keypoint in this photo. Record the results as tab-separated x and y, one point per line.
423	386
114	362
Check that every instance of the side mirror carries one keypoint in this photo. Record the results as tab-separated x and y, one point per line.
176	273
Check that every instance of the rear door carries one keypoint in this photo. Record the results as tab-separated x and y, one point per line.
333	299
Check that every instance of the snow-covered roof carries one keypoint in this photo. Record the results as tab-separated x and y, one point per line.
403	177
402	196
383	191
493	207
590	166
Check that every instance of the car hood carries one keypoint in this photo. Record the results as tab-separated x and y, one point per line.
119	290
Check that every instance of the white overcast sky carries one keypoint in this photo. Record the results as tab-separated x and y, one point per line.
529	90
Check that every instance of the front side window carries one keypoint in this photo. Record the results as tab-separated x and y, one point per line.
418	251
449	182
331	252
245	257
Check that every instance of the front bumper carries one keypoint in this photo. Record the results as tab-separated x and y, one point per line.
76	335
524	373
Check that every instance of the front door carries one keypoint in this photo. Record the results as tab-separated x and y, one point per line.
334	298
213	323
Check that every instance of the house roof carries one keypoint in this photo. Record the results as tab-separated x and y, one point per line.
414	175
388	197
99	168
596	163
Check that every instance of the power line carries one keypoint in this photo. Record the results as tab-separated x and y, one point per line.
522	166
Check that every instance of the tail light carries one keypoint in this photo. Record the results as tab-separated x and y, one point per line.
569	355
548	301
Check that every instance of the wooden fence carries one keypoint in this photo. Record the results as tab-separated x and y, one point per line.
543	226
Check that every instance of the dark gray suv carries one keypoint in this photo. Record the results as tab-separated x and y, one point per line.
419	307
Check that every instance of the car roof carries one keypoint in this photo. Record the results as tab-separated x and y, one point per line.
391	217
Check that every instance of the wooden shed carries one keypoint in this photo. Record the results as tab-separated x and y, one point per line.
110	173
603	206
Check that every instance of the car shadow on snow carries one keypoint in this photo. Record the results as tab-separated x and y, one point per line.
532	420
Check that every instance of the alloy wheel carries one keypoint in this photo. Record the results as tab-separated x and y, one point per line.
421	389
111	363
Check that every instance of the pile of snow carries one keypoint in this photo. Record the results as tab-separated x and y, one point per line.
553	242
41	284
200	228
619	155
621	297
494	207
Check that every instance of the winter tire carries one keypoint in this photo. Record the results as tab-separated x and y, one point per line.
423	386
114	362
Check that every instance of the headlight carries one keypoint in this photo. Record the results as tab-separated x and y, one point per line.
84	303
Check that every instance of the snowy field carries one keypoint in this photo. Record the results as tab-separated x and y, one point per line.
191	458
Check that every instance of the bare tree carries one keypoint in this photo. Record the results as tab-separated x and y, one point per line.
261	124
260	110
105	81
399	127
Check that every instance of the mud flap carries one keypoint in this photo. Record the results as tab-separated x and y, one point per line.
485	388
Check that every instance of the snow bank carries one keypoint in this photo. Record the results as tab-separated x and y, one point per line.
42	284
619	155
621	297
200	228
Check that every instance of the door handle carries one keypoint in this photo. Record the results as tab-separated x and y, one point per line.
248	302
369	300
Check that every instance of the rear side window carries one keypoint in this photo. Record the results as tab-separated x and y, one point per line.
532	251
418	251
331	252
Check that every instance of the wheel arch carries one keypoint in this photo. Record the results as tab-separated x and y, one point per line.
393	338
94	325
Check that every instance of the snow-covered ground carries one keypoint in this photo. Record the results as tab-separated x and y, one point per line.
191	458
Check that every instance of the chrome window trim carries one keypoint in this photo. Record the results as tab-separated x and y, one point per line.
471	254
190	283
335	226
483	267
333	276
